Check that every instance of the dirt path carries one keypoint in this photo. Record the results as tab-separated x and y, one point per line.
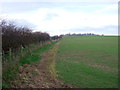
41	74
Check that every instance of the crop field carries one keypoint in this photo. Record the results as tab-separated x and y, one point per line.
88	61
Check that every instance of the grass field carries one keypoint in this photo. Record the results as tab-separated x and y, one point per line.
88	61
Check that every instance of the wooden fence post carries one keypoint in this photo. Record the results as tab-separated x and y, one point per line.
10	54
3	58
21	51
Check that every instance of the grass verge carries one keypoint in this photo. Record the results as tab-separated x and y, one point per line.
10	70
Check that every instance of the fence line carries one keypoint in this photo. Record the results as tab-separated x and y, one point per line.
22	51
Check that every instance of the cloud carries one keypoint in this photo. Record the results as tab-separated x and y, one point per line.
61	20
59	1
113	9
50	16
108	30
66	19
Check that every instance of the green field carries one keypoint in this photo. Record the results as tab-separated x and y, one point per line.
88	61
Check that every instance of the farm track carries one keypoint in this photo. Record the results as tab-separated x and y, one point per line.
41	74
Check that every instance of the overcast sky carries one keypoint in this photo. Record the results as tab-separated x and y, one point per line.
90	16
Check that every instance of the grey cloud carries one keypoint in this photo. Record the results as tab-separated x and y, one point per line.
18	7
22	22
50	16
111	29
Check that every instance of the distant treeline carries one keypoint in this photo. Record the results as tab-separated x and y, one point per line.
14	37
62	35
56	37
81	34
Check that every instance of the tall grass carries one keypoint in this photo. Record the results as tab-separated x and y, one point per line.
27	55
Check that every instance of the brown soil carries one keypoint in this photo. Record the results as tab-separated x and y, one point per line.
41	74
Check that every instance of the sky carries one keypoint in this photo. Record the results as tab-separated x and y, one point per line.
63	16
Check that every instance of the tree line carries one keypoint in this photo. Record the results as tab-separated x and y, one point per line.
84	34
14	36
57	37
